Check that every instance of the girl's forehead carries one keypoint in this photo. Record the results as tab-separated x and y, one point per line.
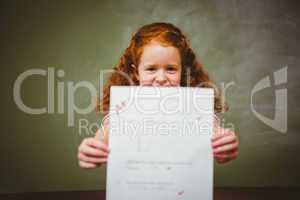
158	47
155	42
158	54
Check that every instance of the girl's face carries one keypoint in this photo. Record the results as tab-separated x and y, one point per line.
159	66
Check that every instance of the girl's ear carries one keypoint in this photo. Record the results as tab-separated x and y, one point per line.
135	71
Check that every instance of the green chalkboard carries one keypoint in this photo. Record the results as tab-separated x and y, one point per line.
239	43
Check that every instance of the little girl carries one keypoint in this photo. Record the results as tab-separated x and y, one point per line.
158	55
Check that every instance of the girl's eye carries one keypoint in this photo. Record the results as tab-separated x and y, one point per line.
171	69
151	69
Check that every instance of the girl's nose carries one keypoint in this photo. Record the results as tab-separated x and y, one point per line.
161	78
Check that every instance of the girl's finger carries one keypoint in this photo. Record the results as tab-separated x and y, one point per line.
224	140
92	151
87	165
231	155
94	160
227	147
222	160
221	133
97	144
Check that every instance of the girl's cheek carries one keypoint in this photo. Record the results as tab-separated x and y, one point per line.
175	79
146	80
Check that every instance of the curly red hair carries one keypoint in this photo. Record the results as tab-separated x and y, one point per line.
166	34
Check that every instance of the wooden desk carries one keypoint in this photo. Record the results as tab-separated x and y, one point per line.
219	194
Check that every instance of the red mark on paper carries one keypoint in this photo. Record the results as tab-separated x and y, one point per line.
180	193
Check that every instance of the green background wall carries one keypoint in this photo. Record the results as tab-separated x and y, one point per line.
237	41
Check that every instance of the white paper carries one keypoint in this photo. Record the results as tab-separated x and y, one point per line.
160	143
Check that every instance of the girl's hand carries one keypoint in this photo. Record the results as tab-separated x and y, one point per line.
92	153
225	144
